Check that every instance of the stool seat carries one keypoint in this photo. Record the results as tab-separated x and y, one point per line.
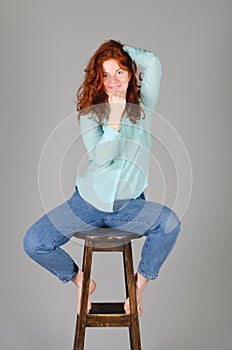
108	314
106	237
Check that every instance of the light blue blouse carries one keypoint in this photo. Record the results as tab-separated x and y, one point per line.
119	160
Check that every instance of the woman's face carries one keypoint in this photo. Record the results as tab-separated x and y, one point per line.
114	77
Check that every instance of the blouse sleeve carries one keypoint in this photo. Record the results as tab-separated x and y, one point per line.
152	73
101	142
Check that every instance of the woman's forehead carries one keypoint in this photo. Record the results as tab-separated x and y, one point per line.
111	64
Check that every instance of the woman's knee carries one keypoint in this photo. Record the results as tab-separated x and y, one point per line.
30	242
34	240
43	237
171	221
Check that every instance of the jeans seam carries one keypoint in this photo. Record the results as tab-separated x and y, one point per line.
70	277
60	252
144	250
150	277
132	220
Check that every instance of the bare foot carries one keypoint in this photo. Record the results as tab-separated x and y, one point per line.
141	283
77	280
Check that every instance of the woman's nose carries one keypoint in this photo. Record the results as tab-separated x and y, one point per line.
112	78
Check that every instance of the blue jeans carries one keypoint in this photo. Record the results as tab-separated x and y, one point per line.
157	222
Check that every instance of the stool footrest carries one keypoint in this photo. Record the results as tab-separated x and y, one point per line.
107	308
108	315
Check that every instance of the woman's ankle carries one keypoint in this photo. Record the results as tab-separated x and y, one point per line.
77	279
141	281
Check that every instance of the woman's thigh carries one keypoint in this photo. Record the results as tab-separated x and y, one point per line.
58	225
141	216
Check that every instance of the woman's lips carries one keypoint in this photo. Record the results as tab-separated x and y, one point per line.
114	88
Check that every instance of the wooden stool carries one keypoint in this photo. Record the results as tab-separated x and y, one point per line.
108	314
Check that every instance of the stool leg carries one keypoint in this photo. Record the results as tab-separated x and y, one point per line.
79	338
135	342
127	294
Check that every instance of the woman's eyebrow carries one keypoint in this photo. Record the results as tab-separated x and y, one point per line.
104	71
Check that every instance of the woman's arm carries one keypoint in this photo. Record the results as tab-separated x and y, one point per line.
152	69
101	142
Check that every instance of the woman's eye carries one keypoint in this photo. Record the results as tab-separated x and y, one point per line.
120	72
105	75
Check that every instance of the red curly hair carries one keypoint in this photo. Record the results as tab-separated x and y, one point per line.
91	94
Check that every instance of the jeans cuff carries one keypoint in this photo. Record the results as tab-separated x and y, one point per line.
150	277
70	277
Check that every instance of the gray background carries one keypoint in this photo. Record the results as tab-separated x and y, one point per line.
44	49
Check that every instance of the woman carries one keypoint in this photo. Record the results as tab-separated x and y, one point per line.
115	116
